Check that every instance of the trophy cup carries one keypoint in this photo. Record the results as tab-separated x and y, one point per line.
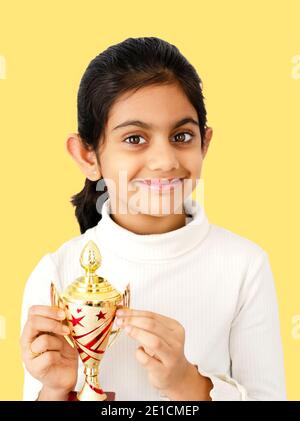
90	304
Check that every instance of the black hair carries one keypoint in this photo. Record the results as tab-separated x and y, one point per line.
127	66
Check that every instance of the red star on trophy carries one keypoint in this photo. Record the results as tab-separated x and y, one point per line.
100	315
94	299
76	321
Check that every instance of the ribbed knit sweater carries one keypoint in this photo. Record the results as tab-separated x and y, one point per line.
217	284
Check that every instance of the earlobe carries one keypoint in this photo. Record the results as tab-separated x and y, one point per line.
208	134
70	144
84	158
207	139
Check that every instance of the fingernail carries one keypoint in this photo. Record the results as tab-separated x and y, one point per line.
119	322
120	312
61	314
128	328
66	329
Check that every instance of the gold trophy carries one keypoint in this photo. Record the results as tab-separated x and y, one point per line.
90	304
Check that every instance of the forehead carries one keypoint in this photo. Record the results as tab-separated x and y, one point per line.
158	105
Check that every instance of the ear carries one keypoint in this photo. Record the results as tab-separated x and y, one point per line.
207	139
85	158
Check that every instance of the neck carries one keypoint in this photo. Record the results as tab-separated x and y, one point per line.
129	245
149	224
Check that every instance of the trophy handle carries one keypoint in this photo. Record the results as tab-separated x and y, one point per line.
113	336
58	302
126	303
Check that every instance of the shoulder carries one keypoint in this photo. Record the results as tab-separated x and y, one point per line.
242	262
236	252
232	243
59	266
71	247
65	259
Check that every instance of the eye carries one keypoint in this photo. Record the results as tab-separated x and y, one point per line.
184	133
135	142
134	139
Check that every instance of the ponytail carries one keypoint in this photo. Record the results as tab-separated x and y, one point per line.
85	202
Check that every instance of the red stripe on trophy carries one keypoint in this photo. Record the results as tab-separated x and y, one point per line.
89	345
93	341
81	336
96	389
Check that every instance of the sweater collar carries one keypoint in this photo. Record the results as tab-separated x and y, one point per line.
144	247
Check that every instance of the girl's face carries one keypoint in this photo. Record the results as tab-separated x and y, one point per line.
152	134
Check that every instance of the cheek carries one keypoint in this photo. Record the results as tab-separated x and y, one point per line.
130	164
193	164
192	161
196	167
119	166
120	170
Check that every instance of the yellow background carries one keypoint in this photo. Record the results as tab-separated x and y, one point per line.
243	51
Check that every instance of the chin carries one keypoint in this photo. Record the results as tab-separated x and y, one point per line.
158	211
156	205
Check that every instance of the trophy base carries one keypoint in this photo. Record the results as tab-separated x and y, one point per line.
110	396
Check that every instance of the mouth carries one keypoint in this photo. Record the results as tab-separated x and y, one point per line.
161	184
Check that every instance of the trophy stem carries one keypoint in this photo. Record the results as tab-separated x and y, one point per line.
91	390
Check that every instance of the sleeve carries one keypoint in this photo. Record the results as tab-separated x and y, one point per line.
37	292
257	367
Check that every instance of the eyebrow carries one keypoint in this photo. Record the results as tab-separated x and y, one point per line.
149	126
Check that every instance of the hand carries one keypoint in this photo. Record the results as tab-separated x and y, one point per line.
162	351
45	352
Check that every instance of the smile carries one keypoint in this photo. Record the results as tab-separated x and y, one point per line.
160	185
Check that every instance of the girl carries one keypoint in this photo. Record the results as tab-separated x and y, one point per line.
203	323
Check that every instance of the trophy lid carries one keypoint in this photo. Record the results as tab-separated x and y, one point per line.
91	289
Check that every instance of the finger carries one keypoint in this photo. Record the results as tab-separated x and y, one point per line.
45	343
168	322
151	325
43	362
47	311
37	324
147	361
148	351
155	344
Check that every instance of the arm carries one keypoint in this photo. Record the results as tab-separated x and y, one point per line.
255	342
257	369
37	291
33	293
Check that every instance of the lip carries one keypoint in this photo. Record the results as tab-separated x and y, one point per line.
160	187
156	181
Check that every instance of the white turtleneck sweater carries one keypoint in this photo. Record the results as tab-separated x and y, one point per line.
217	284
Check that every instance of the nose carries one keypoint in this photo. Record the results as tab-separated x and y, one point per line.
162	157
